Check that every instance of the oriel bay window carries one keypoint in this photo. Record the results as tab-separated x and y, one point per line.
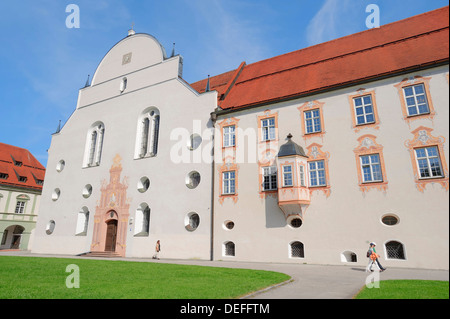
287	176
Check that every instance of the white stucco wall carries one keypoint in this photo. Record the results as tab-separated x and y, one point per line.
169	199
348	219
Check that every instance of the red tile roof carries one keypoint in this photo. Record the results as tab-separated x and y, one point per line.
16	162
419	41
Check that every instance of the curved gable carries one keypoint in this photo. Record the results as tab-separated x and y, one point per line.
130	54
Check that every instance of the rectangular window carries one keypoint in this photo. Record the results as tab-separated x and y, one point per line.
302	175
287	176
229	136
364	109
20	207
312	121
229	179
428	162
270	178
268	129
317	173
416	99
371	168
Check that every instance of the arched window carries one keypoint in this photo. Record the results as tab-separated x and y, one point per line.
229	249
348	257
395	250
94	145
142	220
82	222
297	250
148	133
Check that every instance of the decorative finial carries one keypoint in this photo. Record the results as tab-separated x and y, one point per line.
131	31
208	88
87	82
289	136
173	51
59	127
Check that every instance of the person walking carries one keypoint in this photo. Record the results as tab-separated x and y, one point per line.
373	258
157	250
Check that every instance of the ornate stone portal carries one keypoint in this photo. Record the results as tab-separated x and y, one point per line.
112	213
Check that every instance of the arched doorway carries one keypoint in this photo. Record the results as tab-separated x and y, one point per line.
12	236
111	235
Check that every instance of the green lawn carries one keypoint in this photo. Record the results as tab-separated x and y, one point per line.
407	289
45	278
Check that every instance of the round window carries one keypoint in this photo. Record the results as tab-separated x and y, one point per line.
143	184
229	225
87	191
55	195
295	222
192	179
194	141
192	221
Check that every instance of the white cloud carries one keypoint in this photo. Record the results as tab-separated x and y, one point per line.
228	37
336	18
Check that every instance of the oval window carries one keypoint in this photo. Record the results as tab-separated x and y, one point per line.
143	184
55	195
87	191
229	225
390	220
192	221
60	165
194	141
50	227
192	179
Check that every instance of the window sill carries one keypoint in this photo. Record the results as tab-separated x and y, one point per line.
229	194
367	186
431	178
416	115
372	182
312	133
141	234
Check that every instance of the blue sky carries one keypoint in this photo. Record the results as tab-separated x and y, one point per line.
43	63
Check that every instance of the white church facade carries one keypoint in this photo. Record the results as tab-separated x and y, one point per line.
302	158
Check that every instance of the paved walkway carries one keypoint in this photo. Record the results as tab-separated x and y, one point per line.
307	282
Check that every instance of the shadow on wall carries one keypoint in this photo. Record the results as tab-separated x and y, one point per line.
274	215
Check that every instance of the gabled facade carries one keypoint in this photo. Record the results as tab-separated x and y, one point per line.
21	181
317	152
113	183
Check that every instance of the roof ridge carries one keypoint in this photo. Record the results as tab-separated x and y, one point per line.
233	80
356	34
341	55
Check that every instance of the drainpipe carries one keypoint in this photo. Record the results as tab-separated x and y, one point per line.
213	117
